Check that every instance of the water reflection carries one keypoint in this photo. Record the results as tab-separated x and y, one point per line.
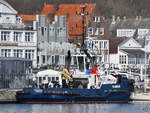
137	107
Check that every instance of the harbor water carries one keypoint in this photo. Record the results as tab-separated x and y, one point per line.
134	107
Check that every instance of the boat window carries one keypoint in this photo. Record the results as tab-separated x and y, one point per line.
81	63
40	79
57	78
49	79
75	61
44	78
53	78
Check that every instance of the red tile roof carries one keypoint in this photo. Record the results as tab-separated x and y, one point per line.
27	18
48	9
73	13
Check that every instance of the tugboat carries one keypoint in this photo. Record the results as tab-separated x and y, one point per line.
93	87
90	86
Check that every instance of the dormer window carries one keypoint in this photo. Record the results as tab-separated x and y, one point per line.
96	19
19	20
90	31
101	31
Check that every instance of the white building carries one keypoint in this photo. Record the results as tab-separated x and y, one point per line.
132	53
99	47
141	32
125	32
16	40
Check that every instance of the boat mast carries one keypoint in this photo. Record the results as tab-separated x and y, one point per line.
83	28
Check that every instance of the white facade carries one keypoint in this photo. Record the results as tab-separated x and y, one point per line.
15	39
114	60
100	47
125	32
19	43
7	13
54	53
131	53
141	32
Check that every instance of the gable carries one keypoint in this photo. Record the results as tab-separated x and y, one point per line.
130	43
6	8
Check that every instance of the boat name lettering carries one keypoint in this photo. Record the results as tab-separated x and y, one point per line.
116	86
38	90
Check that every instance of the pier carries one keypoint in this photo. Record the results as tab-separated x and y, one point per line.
8	95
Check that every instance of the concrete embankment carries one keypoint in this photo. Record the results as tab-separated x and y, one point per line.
8	95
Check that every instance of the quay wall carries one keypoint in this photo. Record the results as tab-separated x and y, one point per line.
8	95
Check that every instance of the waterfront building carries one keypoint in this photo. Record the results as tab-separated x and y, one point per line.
97	39
51	29
99	47
52	38
16	39
74	18
14	72
132	53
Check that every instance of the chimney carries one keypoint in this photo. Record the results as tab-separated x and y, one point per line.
118	18
137	17
124	18
103	17
113	19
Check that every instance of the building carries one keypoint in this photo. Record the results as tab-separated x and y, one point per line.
52	38
131	53
74	18
126	27
51	30
16	39
14	72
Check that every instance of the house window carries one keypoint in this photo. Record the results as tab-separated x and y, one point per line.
28	37
90	31
61	59
43	57
96	19
122	59
101	45
29	54
105	44
5	36
96	31
19	20
17	53
5	52
17	36
101	31
42	31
